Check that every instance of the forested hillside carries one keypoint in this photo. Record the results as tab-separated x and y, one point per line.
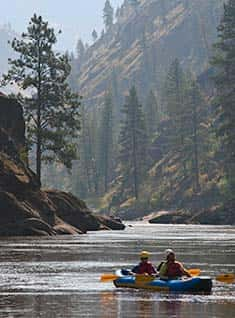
138	48
150	137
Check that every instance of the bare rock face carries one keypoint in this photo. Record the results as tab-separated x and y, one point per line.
12	121
24	208
74	211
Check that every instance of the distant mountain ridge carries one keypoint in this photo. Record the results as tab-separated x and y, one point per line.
143	42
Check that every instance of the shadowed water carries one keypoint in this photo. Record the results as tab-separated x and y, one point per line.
59	276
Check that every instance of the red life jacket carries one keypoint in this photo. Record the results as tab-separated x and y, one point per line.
145	267
174	269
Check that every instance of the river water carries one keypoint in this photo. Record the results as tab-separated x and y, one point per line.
59	276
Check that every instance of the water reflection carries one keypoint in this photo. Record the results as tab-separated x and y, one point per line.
59	277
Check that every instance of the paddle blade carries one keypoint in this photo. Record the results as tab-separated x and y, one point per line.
141	278
194	271
226	278
108	277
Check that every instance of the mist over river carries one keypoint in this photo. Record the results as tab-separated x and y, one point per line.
59	276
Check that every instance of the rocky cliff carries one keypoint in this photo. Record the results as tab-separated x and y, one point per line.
143	42
24	208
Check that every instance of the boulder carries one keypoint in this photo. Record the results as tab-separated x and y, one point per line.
216	215
169	217
111	222
73	211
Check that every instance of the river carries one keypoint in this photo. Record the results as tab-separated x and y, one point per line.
59	276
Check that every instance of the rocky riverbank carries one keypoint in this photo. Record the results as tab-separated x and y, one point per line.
26	209
216	215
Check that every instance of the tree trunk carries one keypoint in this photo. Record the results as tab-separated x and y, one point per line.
39	156
195	148
39	105
39	136
136	185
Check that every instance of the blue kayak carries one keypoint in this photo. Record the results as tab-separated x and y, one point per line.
195	284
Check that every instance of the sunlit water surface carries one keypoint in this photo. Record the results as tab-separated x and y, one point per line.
59	276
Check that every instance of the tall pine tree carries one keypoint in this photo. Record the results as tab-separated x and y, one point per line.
224	63
175	89
52	112
94	35
132	145
106	142
152	114
196	137
108	15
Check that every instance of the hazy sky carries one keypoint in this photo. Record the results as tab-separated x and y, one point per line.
76	18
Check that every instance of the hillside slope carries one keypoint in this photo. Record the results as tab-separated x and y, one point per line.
143	42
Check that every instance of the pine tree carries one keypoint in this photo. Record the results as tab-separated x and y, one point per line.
85	171
177	111
94	35
187	115
152	114
93	122
106	141
224	63
73	76
195	138
52	113
80	51
132	144
108	15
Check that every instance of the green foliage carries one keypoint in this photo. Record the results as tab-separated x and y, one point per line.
108	15
86	169
224	62
185	133
178	113
132	142
152	115
52	112
94	35
175	90
106	142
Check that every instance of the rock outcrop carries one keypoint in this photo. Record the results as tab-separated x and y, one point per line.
24	208
216	215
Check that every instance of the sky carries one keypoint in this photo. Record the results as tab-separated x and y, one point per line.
76	18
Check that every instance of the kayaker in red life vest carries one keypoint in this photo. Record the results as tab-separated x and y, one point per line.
144	267
172	269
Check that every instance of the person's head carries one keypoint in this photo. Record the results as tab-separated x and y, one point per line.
170	255
144	256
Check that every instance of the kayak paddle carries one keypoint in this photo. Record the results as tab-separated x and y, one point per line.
223	278
108	277
194	271
226	278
